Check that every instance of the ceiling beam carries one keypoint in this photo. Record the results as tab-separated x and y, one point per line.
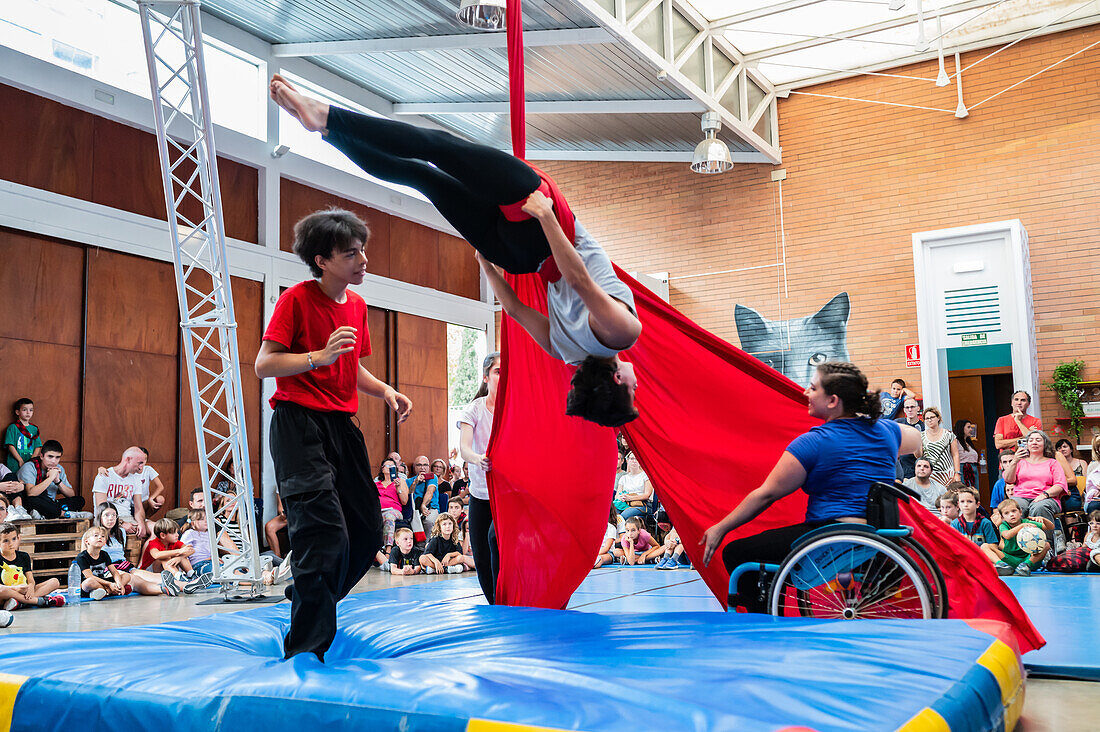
638	156
855	33
531	39
764	12
600	106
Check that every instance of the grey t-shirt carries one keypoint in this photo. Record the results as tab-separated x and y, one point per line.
28	474
571	336
928	493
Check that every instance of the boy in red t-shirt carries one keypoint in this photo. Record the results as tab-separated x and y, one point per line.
165	551
312	347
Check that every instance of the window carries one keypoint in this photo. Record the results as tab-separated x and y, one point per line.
101	39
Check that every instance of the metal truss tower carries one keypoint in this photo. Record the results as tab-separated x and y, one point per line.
188	164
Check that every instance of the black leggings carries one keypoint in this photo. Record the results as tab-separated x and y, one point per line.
483	542
466	182
49	507
767	547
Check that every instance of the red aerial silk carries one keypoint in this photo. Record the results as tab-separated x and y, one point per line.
713	423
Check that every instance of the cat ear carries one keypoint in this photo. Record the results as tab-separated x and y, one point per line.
834	311
750	324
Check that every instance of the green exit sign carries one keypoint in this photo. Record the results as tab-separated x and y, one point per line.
974	339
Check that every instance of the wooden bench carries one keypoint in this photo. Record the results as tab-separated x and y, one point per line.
52	545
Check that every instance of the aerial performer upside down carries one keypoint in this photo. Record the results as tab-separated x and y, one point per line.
518	221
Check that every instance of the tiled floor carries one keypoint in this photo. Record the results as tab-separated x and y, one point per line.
1051	706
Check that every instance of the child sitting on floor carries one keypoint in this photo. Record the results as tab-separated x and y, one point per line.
672	551
17	585
637	546
948	506
166	552
443	553
1008	557
610	538
969	523
198	538
102	578
404	556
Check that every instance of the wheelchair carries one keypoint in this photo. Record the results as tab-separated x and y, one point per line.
854	571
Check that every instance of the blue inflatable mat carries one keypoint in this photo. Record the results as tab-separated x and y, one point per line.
411	664
1064	607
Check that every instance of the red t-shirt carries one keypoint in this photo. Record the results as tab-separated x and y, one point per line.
303	320
156	543
1008	429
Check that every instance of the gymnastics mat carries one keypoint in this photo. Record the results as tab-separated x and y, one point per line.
1065	608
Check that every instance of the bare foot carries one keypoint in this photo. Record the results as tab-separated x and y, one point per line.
312	113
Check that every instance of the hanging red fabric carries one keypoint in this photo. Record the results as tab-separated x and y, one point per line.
713	423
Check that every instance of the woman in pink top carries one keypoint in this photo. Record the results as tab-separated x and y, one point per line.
1039	478
392	495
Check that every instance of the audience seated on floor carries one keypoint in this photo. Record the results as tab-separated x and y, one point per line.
17	586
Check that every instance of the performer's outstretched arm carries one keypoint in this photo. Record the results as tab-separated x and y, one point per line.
614	324
534	322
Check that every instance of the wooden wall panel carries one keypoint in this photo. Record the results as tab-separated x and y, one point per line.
50	375
297	201
130	399
41	289
414	256
45	144
132	303
458	270
372	412
422	376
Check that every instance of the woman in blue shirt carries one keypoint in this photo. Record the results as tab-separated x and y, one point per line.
834	463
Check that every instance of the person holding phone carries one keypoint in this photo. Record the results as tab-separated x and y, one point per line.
1039	478
425	490
393	494
1015	426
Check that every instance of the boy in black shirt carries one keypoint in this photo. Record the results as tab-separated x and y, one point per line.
404	557
17	585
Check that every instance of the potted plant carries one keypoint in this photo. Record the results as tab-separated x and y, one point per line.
1066	385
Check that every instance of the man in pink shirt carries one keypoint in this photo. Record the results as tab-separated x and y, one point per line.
1013	427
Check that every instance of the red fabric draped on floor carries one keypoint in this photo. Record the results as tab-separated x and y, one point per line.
713	422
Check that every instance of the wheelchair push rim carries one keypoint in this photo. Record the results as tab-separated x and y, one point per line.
851	576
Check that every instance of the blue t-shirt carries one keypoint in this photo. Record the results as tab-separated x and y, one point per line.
890	405
842	459
980	532
998	493
421	488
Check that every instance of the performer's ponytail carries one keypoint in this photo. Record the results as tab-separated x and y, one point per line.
845	381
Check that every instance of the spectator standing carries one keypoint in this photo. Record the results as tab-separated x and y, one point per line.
913	419
475	425
1075	481
1014	426
21	438
121	485
940	447
46	488
965	432
1039	478
893	399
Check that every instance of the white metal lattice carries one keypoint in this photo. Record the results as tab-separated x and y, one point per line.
181	104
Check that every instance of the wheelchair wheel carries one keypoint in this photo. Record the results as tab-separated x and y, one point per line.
853	576
932	574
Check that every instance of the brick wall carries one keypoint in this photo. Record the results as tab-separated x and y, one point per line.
862	178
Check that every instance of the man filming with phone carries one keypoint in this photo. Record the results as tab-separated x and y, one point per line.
425	490
1013	427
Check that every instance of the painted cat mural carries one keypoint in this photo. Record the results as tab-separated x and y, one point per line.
795	347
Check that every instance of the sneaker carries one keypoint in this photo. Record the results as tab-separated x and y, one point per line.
284	569
673	563
98	593
385	567
11	604
36	515
18	513
662	563
288	592
1003	568
1022	570
200	582
456	569
168	583
55	601
429	569
6	619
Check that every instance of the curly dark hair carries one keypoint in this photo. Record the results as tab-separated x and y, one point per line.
845	380
326	233
596	396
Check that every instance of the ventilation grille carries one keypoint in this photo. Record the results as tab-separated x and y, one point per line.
973	310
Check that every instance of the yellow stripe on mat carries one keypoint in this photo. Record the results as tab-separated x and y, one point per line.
927	720
1004	664
9	688
486	725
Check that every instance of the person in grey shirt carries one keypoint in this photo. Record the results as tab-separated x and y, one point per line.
923	484
46	488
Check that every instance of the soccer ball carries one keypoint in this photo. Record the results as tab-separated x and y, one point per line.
1030	538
